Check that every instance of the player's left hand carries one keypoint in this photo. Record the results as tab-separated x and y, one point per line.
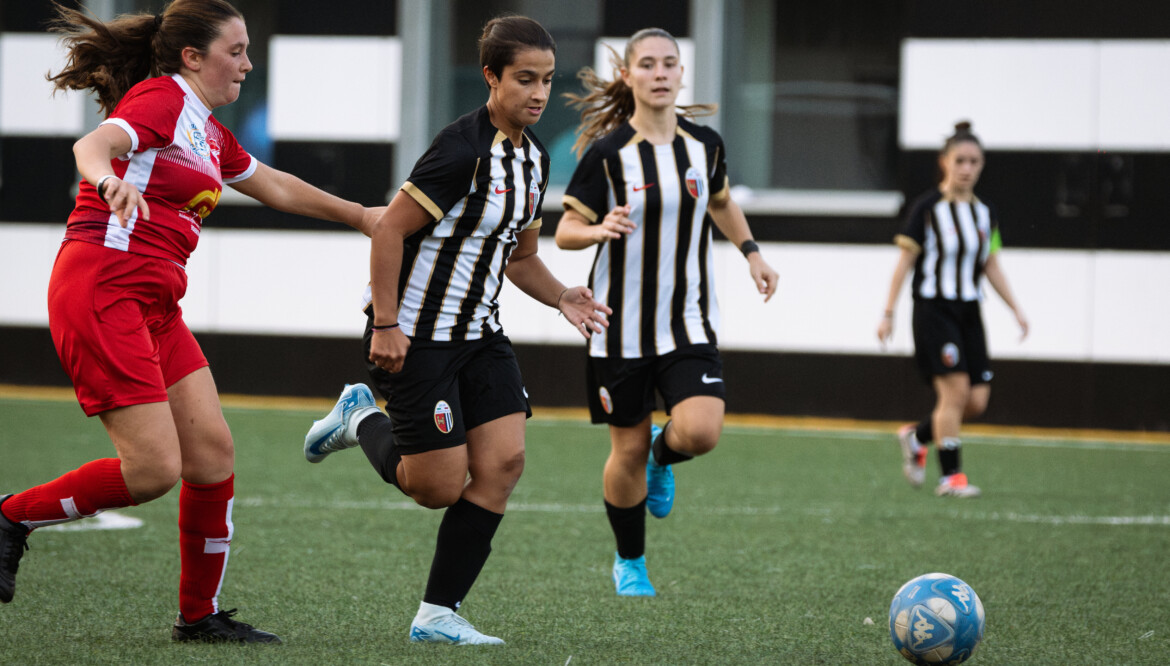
585	314
763	275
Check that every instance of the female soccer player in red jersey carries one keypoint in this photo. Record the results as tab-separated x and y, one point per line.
153	170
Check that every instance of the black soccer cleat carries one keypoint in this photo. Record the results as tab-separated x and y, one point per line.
13	543
220	628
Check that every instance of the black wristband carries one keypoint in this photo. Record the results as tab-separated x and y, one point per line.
383	328
749	246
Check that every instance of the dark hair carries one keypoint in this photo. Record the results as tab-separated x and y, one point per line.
962	133
110	57
504	36
607	104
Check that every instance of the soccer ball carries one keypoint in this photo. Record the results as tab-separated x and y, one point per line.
936	619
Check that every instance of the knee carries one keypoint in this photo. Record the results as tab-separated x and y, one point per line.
512	466
150	483
437	496
695	441
975	408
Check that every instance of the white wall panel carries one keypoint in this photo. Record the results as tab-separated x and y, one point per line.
1082	306
1131	320
27	104
1020	94
334	88
1135	95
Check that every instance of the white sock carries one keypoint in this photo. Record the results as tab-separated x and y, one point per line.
429	612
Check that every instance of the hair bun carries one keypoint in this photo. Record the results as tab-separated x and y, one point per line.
963	127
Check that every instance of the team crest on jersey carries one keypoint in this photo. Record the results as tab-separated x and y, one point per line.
606	401
198	141
444	420
950	354
694	181
533	196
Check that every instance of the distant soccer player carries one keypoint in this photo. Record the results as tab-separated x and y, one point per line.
952	241
469	214
645	193
152	173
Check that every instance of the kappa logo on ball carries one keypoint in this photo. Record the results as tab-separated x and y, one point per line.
444	419
950	354
606	401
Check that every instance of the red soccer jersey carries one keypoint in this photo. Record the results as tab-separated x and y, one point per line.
179	160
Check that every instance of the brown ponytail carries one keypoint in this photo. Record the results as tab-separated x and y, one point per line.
109	58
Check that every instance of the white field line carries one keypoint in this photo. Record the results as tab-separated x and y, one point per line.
1012	517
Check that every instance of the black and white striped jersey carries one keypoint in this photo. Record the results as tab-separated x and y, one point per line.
953	240
658	278
482	191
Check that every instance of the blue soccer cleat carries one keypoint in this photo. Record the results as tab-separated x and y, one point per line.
659	483
630	577
338	430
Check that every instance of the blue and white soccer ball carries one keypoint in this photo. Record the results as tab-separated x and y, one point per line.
936	619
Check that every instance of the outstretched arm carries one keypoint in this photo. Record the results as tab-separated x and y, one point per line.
285	192
733	223
526	270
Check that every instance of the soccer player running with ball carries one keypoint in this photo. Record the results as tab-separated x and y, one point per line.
468	216
645	193
153	171
951	240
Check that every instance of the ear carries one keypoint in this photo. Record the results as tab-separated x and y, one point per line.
490	77
625	73
192	58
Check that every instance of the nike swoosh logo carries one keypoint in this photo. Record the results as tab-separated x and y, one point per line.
639	188
710	380
453	639
500	191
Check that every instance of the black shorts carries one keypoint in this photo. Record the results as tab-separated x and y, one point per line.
621	390
949	337
447	388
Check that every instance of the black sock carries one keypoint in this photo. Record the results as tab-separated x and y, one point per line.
376	435
925	431
663	454
948	456
629	529
462	548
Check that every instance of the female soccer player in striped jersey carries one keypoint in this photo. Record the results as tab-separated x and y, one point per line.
645	193
951	240
468	216
153	171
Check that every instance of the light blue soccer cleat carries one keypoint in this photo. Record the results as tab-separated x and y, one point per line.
659	483
630	577
448	629
338	430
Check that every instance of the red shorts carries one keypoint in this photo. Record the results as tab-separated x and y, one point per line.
117	325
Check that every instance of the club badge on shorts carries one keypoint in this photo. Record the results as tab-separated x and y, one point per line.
950	354
444	419
606	401
694	182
